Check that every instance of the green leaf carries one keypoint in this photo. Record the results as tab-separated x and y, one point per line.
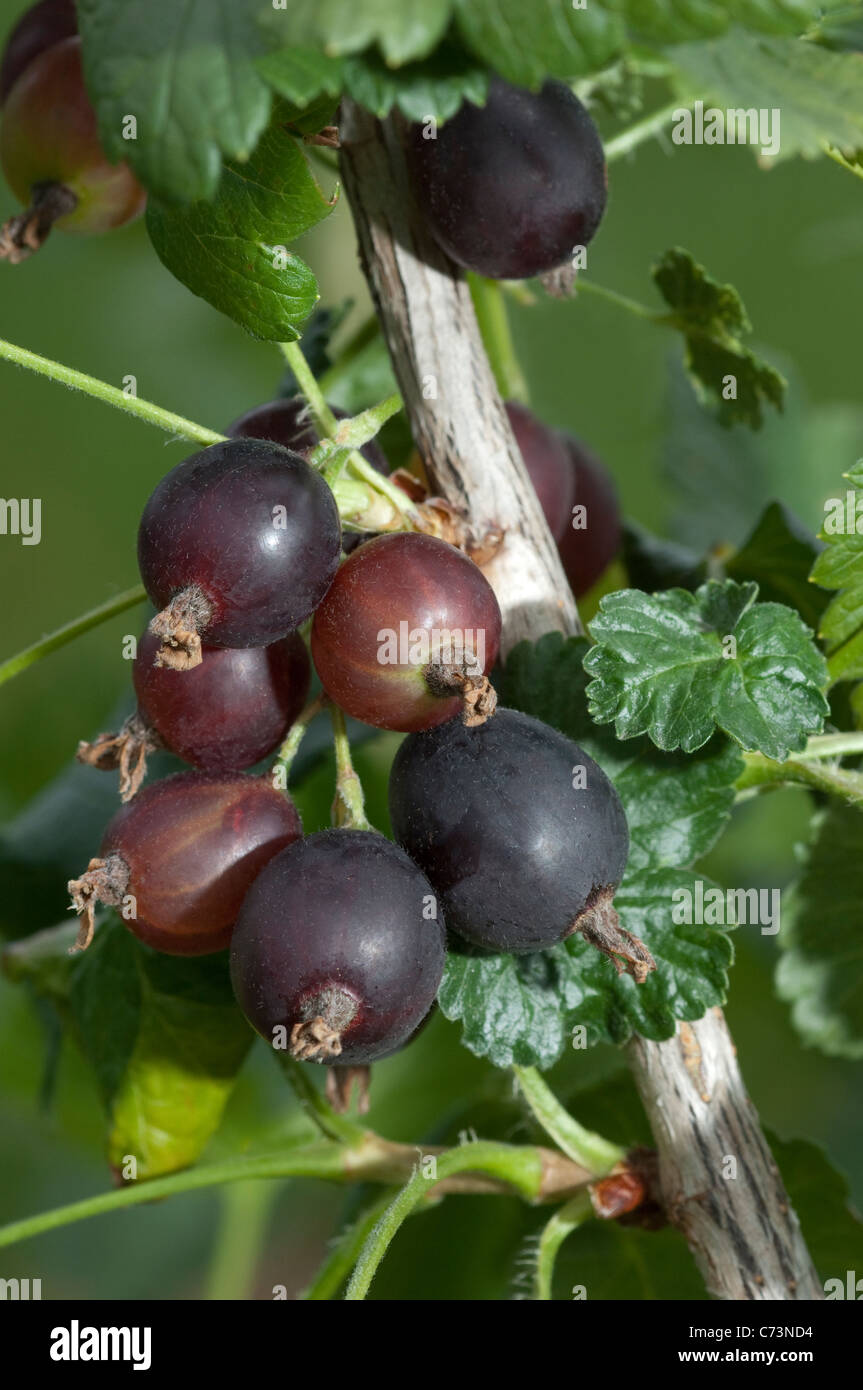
404	31
821	970
43	960
616	1263
186	73
301	74
552	40
691	972
547	679
840	566
676	805
672	21
233	251
659	667
818	93
513	1009
436	86
523	1008
712	319
842	29
778	556
165	1039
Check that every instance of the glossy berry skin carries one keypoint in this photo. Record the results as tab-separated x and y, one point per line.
49	136
343	911
393	594
586	553
38	28
230	711
287	422
510	188
515	851
193	844
254	528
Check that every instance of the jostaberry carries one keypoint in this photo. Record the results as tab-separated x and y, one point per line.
287	422
407	633
340	944
237	545
520	832
511	188
568	477
587	551
179	859
549	465
53	160
223	716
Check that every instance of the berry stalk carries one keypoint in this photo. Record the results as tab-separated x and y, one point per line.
112	395
480	1157
284	759
567	1219
598	1155
536	1174
349	806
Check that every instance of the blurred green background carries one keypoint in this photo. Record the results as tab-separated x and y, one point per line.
791	241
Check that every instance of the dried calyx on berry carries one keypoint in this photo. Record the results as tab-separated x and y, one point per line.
407	634
178	859
237	546
338	950
227	714
50	149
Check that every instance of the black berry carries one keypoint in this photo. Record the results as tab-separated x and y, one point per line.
340	943
509	189
287	422
520	832
577	495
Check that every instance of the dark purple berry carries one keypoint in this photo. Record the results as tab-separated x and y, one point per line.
520	832
238	545
548	463
230	711
588	547
509	189
577	495
287	422
178	860
339	944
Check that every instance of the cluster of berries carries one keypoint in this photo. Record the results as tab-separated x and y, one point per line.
506	830
508	835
